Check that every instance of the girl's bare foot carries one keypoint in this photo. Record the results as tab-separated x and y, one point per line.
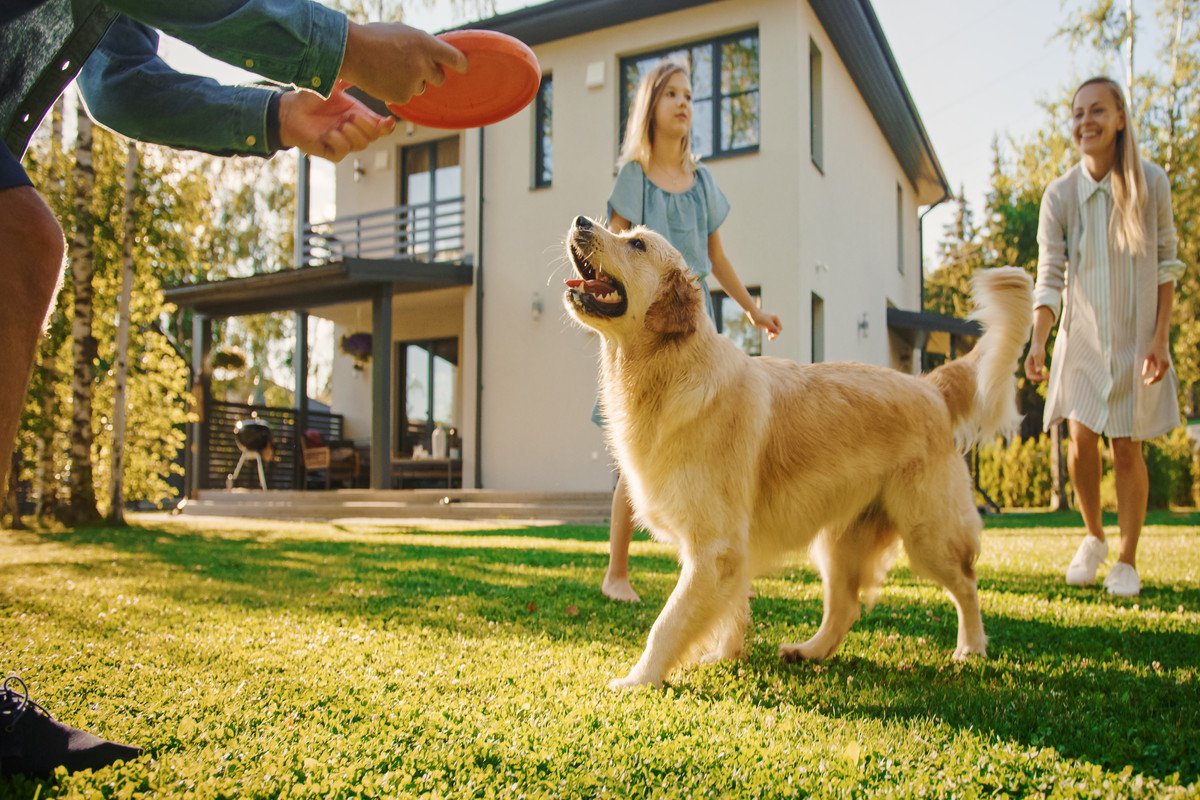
619	589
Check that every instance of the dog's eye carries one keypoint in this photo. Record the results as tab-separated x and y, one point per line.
638	244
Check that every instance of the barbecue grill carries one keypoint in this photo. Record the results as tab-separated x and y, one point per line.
253	437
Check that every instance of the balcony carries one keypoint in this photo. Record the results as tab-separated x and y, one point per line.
427	232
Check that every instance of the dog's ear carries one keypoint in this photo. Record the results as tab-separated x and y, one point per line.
673	312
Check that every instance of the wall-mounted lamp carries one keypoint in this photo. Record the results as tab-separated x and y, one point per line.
863	324
359	170
535	308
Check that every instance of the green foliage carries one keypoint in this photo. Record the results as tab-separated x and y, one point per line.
167	207
268	660
1017	474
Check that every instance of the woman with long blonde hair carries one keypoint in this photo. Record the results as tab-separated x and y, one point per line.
661	185
1106	239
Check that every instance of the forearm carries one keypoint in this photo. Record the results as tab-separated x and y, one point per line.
1043	321
728	278
1162	320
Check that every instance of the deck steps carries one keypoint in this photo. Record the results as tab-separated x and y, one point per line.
366	504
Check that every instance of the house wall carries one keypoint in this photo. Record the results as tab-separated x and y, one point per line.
793	230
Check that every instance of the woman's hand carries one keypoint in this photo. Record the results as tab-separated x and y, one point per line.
768	322
1157	362
1035	364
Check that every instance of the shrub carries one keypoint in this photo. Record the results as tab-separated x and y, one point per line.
1017	474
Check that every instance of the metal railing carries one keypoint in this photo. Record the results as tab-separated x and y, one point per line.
423	232
220	453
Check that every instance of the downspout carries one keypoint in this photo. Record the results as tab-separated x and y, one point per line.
479	325
921	252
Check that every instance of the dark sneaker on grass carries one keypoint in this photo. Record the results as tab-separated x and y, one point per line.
34	744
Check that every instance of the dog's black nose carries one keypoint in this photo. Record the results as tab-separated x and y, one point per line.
583	222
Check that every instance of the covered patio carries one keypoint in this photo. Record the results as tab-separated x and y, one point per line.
368	258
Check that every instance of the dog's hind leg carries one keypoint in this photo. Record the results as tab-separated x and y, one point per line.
944	545
708	584
850	559
729	638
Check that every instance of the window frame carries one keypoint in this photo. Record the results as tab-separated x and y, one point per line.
714	43
543	178
719	295
816	106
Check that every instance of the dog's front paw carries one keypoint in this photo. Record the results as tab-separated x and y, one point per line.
633	681
795	653
965	652
717	656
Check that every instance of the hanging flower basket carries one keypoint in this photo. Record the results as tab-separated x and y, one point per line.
358	347
230	360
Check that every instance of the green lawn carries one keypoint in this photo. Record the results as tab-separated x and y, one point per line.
289	660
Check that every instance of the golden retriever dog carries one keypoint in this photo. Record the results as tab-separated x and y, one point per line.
738	460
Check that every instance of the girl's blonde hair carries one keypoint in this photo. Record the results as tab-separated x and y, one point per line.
639	129
1128	181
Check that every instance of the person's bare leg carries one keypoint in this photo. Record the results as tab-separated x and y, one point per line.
1133	491
1084	466
620	533
31	257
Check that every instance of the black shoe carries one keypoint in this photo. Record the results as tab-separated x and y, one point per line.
33	744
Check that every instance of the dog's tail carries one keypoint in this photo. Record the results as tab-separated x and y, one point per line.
980	388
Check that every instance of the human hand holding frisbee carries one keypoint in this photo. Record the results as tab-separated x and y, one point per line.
502	78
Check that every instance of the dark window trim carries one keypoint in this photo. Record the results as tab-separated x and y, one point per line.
720	294
816	107
715	42
539	180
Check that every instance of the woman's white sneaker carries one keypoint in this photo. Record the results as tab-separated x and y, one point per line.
1087	560
1123	580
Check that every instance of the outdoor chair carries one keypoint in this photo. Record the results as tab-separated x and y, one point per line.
334	460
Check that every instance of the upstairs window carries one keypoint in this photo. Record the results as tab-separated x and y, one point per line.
543	143
725	91
816	107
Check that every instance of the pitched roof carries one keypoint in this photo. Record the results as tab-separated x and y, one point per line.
850	24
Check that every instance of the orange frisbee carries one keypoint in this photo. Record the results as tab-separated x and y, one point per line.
502	77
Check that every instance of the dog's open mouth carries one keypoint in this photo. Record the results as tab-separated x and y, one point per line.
594	292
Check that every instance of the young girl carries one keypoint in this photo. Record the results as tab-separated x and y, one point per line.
660	185
1107	234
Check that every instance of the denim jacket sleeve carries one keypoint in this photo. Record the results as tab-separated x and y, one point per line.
296	42
129	89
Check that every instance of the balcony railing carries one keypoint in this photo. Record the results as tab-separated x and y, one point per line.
422	232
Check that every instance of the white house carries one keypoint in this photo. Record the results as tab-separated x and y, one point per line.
805	122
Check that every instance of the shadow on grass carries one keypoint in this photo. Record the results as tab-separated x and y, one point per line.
1108	695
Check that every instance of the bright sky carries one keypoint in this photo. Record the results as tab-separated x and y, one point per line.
976	69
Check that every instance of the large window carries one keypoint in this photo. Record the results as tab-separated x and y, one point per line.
725	91
431	225
816	107
543	143
428	378
733	322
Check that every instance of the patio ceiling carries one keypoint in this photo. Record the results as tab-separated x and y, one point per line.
914	323
348	280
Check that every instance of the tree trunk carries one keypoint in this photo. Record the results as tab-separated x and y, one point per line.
116	513
82	507
10	496
1058	480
